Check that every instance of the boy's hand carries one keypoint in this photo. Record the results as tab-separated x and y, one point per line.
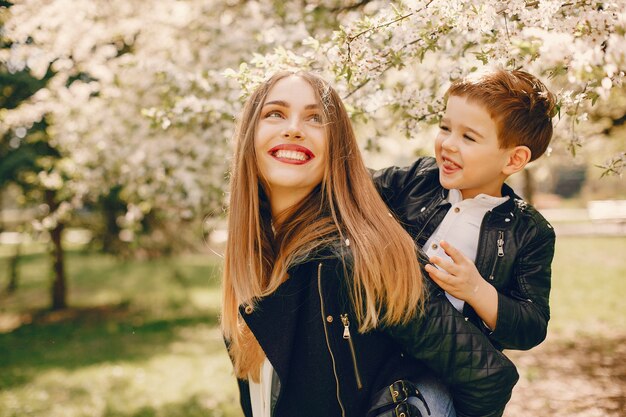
461	279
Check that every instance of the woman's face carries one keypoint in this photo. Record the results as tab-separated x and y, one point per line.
290	142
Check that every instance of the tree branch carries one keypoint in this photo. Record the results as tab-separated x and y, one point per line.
356	5
351	38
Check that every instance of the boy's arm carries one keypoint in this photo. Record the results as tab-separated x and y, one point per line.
517	318
524	312
480	378
392	181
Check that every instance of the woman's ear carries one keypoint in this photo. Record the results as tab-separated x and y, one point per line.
518	158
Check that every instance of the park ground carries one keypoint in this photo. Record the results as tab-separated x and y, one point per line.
141	339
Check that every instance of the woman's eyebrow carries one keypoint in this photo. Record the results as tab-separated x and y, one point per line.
277	103
285	104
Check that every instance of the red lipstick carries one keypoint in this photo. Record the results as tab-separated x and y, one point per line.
291	153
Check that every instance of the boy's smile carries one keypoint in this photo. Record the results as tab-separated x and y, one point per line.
449	166
468	152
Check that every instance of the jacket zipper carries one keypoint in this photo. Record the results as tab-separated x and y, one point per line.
332	357
346	335
500	244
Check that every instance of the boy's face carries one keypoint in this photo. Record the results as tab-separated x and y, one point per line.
467	150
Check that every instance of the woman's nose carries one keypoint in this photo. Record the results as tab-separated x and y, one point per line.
293	130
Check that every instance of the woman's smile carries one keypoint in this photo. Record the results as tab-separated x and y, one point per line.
291	154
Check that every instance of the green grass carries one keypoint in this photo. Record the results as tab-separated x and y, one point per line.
141	338
588	285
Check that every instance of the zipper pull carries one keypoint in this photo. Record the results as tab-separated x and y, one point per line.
500	244
346	326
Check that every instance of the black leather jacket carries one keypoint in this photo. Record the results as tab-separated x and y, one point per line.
515	249
325	367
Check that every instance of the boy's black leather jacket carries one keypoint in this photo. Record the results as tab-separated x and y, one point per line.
515	249
326	367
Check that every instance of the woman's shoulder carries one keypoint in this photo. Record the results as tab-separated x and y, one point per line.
333	260
333	251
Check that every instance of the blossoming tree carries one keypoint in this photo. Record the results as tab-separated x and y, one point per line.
135	99
402	56
142	94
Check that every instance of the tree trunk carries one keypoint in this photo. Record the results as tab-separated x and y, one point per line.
1	209
14	261
529	186
111	207
59	288
14	275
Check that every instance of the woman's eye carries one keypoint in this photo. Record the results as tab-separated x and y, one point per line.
273	114
317	118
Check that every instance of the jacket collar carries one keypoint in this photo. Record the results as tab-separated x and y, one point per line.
509	206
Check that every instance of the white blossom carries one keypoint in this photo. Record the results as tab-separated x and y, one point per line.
144	93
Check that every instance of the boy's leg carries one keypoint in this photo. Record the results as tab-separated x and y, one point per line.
436	395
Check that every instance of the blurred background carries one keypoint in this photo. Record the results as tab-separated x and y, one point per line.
115	126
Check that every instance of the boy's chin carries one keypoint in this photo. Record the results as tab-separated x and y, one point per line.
446	182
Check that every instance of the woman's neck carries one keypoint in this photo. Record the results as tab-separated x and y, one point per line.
282	200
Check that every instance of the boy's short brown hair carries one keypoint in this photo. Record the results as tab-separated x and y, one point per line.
521	106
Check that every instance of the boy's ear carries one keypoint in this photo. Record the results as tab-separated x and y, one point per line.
518	158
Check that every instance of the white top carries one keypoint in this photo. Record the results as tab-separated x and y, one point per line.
461	228
261	392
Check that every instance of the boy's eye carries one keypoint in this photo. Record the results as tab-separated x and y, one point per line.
469	138
444	128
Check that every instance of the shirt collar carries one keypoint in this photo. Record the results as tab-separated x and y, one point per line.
455	196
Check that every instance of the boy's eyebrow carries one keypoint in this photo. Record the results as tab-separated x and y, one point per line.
285	104
474	132
469	129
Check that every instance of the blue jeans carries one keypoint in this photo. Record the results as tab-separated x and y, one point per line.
436	395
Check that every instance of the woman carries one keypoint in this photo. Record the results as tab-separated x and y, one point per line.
322	289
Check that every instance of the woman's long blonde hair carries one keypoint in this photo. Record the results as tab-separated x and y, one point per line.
387	283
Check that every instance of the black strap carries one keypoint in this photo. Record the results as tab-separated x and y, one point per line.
405	409
391	401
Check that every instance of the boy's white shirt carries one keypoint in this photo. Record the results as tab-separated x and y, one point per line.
461	228
261	392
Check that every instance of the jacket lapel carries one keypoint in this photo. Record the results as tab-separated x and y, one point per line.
274	319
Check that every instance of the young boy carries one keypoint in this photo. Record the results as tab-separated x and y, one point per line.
490	251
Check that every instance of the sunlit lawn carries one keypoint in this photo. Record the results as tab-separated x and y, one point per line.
579	370
588	285
141	338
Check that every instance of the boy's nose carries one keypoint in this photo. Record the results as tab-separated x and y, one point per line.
449	144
